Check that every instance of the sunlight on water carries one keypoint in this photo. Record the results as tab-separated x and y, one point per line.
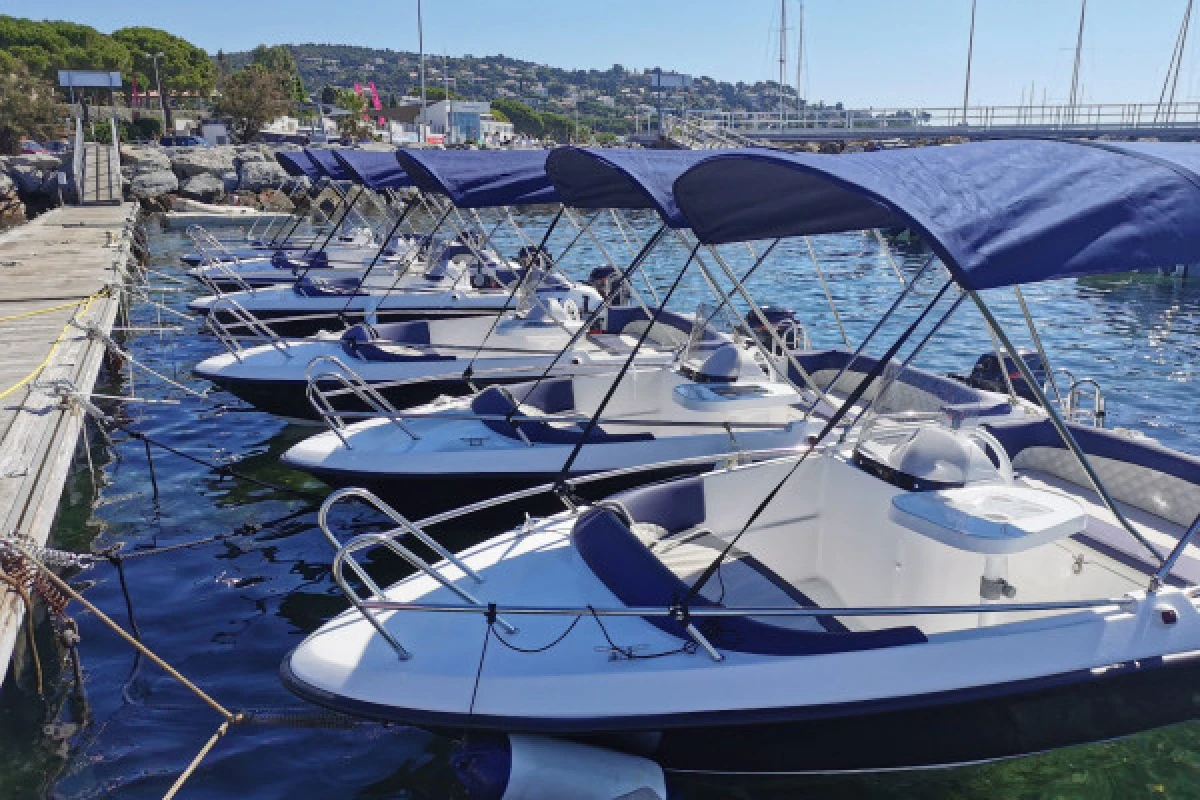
226	613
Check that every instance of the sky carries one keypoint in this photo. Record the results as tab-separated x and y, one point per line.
865	53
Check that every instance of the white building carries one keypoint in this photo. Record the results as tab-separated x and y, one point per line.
464	121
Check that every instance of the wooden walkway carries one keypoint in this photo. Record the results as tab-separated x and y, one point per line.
54	271
101	174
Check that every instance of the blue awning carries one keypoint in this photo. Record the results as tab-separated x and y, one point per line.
374	169
620	178
327	164
481	178
997	213
297	164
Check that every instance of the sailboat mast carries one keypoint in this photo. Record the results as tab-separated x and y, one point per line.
799	56
1074	98
970	55
782	57
421	68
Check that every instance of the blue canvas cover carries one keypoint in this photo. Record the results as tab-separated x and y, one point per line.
997	213
622	178
481	178
327	164
374	169
297	164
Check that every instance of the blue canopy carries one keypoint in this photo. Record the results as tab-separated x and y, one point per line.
997	213
374	169
620	178
481	178
327	164
297	164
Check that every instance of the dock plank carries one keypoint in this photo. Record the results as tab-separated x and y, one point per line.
53	270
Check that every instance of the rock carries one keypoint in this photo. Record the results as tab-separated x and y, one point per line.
203	160
145	159
11	208
258	175
273	200
203	187
152	184
252	155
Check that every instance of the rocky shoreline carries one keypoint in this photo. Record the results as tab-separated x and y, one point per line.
155	176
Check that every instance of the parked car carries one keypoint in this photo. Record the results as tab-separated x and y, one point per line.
57	146
29	146
183	141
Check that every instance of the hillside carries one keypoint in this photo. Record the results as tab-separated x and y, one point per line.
604	99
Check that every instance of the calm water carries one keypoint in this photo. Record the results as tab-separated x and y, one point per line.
226	613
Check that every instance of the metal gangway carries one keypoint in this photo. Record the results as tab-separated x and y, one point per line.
96	167
1113	120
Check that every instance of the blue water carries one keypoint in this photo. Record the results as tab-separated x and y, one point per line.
225	613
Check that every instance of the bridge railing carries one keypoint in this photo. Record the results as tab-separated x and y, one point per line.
1096	117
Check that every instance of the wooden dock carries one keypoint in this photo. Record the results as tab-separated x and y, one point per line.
55	271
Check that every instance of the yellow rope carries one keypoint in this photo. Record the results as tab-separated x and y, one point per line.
64	587
25	314
87	304
187	773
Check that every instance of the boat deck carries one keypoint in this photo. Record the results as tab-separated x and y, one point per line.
56	269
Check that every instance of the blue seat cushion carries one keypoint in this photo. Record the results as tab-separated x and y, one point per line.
632	572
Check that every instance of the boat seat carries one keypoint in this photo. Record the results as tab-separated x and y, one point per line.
1104	534
638	576
547	397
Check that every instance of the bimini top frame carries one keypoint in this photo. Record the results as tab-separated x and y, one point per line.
481	178
996	213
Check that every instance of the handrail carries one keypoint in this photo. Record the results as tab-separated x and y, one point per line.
351	382
390	540
258	328
77	160
114	159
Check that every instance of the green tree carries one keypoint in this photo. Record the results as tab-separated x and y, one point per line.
525	120
46	47
435	94
28	106
558	127
251	98
183	67
280	59
353	124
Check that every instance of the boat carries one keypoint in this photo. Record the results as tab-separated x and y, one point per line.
717	397
463	181
911	590
406	364
185	212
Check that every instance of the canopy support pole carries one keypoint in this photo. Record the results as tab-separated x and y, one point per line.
608	258
633	248
812	253
508	300
833	422
612	389
604	303
887	251
1037	342
762	319
1061	426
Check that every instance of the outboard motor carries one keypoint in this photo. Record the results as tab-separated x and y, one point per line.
782	320
525	767
987	375
603	279
531	256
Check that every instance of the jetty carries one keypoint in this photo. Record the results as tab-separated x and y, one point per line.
60	274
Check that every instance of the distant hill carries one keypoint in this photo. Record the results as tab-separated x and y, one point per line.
605	99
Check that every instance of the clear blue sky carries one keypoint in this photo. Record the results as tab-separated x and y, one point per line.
862	52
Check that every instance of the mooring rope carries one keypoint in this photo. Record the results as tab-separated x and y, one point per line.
58	342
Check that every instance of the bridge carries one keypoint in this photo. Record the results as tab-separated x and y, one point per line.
1176	121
